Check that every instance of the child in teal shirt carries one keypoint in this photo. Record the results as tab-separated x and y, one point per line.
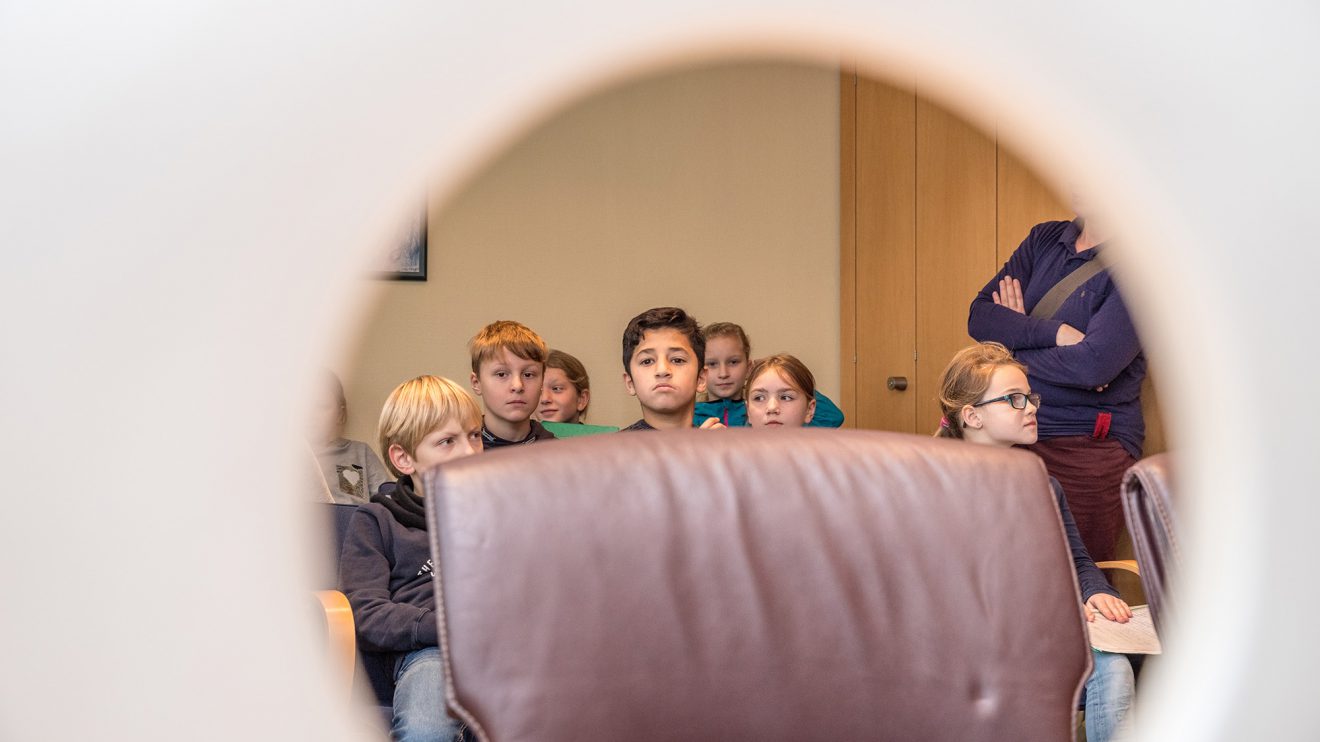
728	356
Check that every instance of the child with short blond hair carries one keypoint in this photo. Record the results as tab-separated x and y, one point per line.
385	567
508	371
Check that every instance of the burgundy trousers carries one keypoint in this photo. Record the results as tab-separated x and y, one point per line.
1091	472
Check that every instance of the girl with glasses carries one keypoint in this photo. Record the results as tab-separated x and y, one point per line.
986	399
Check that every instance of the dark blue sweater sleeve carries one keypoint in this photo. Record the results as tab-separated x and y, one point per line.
987	321
828	414
1089	577
383	625
1110	345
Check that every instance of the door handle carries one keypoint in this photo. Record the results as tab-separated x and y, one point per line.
897	383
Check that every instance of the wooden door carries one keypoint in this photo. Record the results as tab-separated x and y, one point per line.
917	241
879	244
1024	202
955	243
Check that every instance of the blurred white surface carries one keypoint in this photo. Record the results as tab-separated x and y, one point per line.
186	188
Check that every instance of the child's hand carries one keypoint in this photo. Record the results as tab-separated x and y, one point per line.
1110	607
712	423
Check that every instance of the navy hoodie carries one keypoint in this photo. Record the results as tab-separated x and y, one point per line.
385	570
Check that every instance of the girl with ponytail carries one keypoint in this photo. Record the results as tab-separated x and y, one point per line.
985	399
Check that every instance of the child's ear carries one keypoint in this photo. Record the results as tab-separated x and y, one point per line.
701	379
476	383
584	399
811	410
628	384
970	417
402	460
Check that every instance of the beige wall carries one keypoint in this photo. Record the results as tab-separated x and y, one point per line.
714	189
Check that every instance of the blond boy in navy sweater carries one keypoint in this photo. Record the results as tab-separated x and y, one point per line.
385	567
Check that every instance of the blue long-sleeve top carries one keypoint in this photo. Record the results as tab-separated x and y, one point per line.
1067	377
1090	580
734	413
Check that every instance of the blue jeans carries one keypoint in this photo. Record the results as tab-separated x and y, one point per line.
419	700
1108	695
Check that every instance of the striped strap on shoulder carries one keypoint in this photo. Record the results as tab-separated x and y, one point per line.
1059	292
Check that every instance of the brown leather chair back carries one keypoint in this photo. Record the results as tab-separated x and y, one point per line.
798	584
1148	506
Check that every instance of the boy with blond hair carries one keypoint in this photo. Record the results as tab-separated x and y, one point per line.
385	566
508	369
664	358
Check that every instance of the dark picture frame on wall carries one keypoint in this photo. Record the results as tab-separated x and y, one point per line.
405	260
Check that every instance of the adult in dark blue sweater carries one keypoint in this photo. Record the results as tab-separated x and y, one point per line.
385	568
1085	361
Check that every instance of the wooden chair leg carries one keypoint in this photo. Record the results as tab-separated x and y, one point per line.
341	637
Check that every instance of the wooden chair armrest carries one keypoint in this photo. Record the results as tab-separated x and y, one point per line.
341	636
1125	564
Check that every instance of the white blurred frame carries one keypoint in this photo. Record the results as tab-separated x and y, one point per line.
1189	118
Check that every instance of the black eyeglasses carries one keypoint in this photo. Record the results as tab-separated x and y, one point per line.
1017	399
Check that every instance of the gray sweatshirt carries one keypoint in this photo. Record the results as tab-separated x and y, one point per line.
352	471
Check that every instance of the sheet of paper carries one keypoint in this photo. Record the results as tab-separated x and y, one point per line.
1137	636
